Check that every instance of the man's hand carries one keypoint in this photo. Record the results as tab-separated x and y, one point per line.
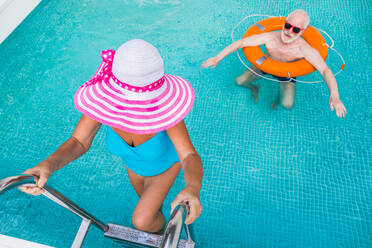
336	104
190	198
210	62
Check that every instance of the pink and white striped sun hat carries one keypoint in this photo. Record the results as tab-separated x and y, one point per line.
130	91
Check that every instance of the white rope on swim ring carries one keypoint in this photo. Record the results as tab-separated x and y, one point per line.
290	78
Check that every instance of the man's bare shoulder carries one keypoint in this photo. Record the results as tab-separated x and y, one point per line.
305	47
312	55
258	39
273	34
270	37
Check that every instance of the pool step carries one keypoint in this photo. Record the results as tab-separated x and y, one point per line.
131	235
10	242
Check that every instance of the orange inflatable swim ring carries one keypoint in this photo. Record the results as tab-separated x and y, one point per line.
282	69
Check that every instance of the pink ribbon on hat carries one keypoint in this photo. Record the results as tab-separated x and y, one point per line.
104	73
104	70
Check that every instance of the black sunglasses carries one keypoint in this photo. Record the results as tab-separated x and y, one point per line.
295	29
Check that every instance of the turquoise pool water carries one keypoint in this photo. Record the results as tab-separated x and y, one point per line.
298	178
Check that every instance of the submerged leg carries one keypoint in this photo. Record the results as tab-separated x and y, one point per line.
285	96
147	215
246	80
275	103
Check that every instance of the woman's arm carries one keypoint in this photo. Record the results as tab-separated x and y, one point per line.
191	165
78	144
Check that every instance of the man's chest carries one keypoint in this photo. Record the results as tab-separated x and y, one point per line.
286	52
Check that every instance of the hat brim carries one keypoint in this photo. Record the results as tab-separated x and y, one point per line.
111	105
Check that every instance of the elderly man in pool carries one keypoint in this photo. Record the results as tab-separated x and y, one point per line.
284	46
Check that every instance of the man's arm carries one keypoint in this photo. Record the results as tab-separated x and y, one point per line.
312	55
254	40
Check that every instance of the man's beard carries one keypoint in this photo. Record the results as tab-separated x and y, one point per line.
287	38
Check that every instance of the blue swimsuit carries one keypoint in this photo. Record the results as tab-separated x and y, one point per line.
150	158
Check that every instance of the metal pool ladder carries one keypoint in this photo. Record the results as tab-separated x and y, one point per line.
170	238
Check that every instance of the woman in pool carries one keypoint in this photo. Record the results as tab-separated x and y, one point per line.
143	109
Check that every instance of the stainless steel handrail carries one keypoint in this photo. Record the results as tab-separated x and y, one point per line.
172	233
24	180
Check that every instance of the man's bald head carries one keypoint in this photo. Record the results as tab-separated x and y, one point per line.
299	18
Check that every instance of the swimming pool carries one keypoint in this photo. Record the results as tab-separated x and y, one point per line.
298	178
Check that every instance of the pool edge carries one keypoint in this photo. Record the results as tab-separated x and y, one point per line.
12	14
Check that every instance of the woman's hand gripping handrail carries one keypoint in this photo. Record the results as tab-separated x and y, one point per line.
174	227
24	179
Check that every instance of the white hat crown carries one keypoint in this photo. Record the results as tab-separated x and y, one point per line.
137	63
